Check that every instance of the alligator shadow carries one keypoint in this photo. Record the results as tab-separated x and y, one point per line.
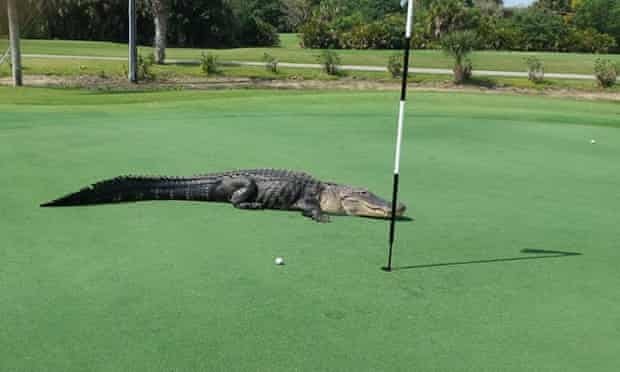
398	219
539	254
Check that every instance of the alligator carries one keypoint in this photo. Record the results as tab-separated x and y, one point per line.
245	189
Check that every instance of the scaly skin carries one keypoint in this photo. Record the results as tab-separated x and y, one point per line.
244	189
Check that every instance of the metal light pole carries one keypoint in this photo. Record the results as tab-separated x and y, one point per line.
133	49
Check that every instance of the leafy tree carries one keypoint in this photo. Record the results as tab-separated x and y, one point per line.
589	40
541	29
257	21
445	16
601	15
296	13
559	6
490	7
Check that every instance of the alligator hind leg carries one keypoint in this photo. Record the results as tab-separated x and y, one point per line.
243	193
249	206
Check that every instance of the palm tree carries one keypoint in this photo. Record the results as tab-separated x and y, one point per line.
458	45
16	57
161	12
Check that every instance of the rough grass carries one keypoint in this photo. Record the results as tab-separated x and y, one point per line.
115	69
290	51
192	287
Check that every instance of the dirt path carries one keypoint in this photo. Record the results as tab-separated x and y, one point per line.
115	84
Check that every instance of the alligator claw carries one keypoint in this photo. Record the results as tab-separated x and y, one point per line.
321	218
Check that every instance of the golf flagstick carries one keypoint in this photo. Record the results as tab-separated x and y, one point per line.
399	135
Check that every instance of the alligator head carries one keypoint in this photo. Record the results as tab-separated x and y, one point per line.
356	201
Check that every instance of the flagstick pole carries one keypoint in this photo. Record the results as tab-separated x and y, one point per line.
401	117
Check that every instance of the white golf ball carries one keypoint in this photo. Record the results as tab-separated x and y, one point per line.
279	261
593	141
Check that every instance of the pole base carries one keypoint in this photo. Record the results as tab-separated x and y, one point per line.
385	268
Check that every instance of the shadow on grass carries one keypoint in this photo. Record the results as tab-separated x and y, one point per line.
482	82
398	219
540	254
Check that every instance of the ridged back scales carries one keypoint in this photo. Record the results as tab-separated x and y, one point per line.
277	188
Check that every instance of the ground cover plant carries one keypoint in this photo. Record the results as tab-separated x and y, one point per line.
498	185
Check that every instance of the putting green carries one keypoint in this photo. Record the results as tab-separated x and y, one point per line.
176	286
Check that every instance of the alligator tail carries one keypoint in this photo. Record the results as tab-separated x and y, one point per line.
133	188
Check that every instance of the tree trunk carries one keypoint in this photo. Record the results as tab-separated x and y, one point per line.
16	56
459	73
160	14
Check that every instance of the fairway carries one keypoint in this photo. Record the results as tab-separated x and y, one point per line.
498	185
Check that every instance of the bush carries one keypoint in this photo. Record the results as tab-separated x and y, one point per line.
271	63
535	69
540	29
257	32
395	65
458	45
589	40
208	64
380	34
330	61
353	33
318	33
498	34
144	67
606	72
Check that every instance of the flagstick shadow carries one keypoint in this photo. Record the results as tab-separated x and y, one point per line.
541	253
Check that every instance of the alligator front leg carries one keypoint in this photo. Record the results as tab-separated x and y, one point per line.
316	214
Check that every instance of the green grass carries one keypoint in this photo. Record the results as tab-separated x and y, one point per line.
177	286
290	51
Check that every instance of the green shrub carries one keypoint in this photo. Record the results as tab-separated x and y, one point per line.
271	63
330	61
144	67
318	33
381	34
208	64
606	72
459	44
257	32
395	65
535	69
589	40
541	29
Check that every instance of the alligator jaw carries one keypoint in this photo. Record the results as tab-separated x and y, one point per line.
356	201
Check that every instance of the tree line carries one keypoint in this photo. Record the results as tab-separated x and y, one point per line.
546	25
183	23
